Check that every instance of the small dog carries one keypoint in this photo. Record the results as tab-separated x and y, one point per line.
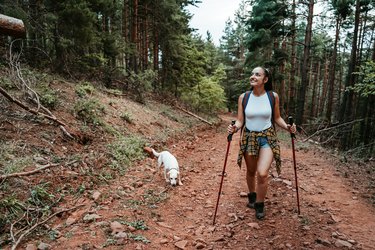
170	164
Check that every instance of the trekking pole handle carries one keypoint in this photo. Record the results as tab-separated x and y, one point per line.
231	134
290	122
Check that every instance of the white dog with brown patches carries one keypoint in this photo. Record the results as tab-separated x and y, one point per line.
170	164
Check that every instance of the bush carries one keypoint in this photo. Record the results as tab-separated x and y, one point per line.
208	96
84	89
48	98
89	111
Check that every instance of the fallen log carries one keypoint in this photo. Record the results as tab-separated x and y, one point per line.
192	114
12	26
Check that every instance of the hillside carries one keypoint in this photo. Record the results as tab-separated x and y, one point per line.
107	193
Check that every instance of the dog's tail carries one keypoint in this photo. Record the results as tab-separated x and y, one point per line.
156	154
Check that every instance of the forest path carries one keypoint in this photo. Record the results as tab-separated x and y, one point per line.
333	215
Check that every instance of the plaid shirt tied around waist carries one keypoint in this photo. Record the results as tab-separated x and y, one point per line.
249	144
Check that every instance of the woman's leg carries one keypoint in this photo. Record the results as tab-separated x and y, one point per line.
251	169
264	163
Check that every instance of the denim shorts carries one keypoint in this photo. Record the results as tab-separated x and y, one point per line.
263	142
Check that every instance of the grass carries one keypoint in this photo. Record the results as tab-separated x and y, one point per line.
169	113
124	151
10	159
40	196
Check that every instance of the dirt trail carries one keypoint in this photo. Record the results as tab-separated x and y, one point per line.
333	215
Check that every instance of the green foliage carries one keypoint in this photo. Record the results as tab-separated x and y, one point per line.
10	159
89	111
366	87
90	63
265	23
142	82
6	83
84	89
11	206
126	150
127	117
138	224
48	97
138	237
40	196
207	96
153	197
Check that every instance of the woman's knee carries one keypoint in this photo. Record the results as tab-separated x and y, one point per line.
262	177
251	172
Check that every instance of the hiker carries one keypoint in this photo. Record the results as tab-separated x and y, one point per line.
258	110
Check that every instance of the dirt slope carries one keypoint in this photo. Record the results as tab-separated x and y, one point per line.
333	214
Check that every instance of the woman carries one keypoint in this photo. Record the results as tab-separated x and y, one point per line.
259	144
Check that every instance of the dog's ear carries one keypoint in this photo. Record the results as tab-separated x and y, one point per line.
148	150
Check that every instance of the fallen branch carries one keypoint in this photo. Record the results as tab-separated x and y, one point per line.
196	116
10	98
28	172
333	127
28	231
32	171
62	127
112	93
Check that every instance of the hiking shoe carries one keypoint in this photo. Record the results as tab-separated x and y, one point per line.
252	198
259	210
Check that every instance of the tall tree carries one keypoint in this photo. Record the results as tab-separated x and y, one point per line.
305	64
342	8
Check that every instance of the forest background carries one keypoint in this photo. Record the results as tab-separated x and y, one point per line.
323	66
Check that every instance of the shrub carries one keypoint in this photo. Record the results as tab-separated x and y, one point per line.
89	111
84	89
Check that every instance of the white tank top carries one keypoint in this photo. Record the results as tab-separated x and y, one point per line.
258	113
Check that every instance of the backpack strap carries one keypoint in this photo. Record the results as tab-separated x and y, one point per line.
245	100
271	98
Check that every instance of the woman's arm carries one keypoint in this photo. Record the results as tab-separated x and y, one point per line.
278	119
240	117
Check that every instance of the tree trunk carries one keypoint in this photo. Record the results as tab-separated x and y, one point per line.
323	96
133	38
292	90
12	26
332	73
305	66
125	31
346	111
314	96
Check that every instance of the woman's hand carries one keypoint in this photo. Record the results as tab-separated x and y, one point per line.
292	128
232	129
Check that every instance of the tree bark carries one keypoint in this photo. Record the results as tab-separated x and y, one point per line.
331	79
305	65
292	88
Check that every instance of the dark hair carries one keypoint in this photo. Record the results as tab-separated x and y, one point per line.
268	74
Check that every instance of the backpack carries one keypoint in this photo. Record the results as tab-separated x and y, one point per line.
245	100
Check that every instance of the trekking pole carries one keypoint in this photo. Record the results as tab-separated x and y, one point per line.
293	136
223	173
